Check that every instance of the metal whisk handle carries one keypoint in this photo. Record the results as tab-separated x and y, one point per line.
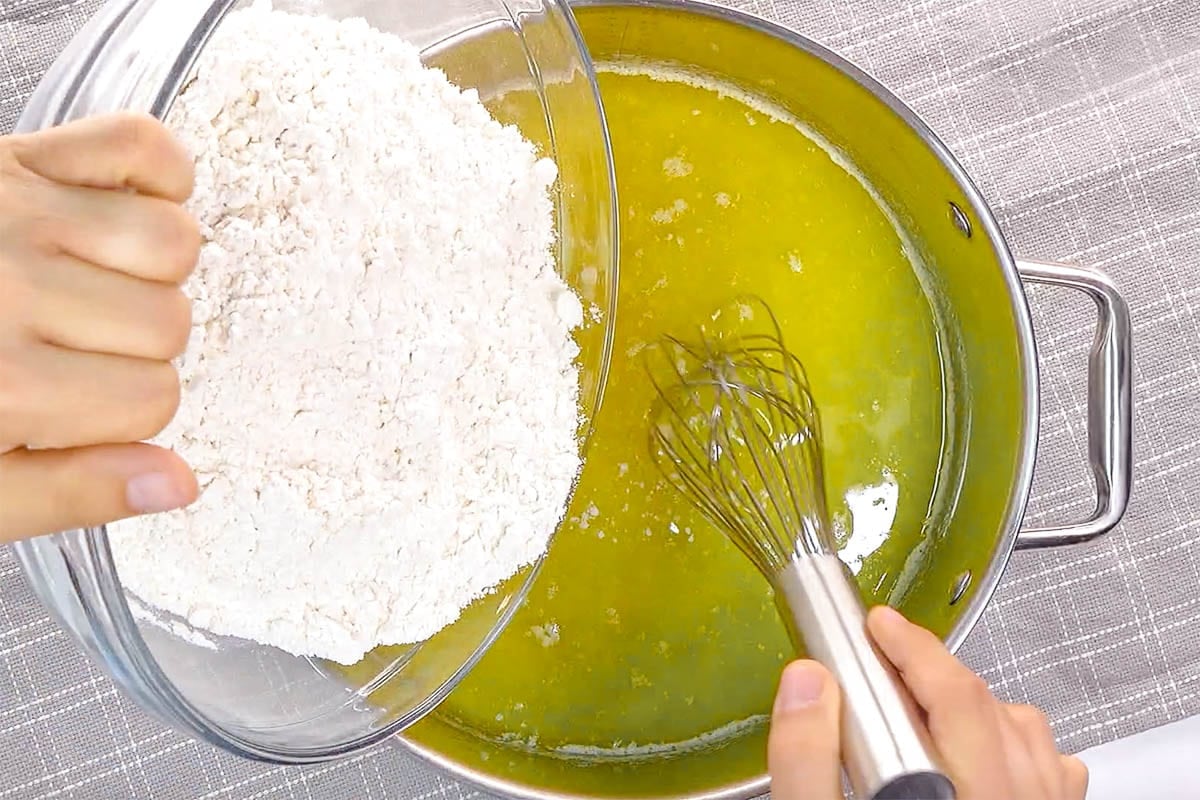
886	751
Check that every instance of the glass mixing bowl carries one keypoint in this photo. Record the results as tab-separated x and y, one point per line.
526	59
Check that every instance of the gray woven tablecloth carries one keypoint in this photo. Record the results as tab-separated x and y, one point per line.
1080	120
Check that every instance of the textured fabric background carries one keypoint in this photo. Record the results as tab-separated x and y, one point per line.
1080	120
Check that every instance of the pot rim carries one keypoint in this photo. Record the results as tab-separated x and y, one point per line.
1027	451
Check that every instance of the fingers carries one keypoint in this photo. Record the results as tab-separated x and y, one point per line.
82	307
68	489
1025	777
964	718
116	151
1034	729
146	237
1061	777
990	749
51	397
57	195
1076	777
93	247
804	745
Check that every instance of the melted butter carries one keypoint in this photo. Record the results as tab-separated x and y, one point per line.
646	627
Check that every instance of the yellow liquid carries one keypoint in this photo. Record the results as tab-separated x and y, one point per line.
646	628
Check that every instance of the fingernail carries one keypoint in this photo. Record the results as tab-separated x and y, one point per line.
801	686
154	492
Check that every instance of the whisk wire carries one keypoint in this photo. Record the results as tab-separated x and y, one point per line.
682	444
769	495
736	430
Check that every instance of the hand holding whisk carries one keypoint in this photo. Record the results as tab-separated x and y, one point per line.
736	430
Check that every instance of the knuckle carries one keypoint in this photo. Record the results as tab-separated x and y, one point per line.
10	167
136	134
969	689
1031	718
162	401
41	233
10	381
18	292
17	381
28	224
168	393
799	742
183	242
176	324
182	166
1077	776
145	140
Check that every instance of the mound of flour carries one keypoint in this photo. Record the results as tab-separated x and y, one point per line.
380	397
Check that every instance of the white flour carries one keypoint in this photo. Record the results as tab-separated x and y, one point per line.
380	395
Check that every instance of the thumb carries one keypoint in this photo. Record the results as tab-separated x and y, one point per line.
47	491
804	750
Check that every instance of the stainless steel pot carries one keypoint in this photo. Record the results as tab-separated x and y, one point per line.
980	287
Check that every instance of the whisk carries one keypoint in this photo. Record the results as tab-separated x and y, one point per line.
735	429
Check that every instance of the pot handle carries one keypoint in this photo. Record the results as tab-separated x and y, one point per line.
1109	404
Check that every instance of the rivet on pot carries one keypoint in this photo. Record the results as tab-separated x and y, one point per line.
960	220
961	584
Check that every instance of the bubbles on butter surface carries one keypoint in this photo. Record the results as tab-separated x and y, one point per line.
677	167
667	215
547	635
